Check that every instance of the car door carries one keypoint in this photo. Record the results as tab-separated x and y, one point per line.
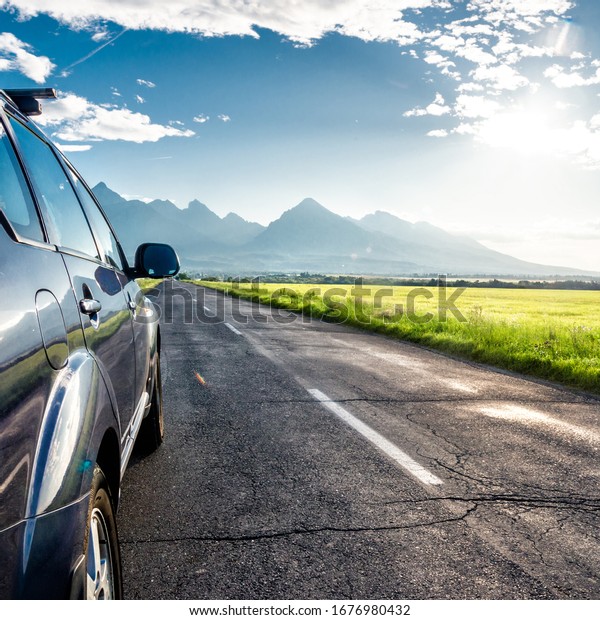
142	310
105	316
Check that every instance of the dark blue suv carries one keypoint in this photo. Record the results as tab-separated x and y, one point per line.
79	368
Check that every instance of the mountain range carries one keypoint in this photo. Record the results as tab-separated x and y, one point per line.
307	237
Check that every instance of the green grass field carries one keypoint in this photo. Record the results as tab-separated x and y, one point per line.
549	334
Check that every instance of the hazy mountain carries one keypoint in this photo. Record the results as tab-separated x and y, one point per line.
309	228
195	231
106	196
307	237
237	230
430	244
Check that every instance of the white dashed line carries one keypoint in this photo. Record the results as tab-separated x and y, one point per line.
207	310
233	329
411	466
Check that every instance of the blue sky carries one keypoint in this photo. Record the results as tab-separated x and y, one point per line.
480	116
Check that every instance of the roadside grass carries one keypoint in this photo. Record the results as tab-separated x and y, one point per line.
548	334
148	283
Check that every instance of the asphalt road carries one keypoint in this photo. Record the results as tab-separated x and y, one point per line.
309	460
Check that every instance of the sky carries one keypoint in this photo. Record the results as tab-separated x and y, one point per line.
478	116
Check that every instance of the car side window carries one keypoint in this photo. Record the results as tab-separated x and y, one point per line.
105	236
15	199
65	221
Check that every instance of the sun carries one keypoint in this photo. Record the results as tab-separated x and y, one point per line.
535	130
527	131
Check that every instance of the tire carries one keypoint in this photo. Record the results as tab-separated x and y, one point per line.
104	580
152	430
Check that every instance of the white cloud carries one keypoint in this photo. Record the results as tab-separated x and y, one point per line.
475	54
437	108
561	79
469	87
466	27
201	118
146	83
474	106
437	133
484	45
74	119
449	43
73	148
500	77
15	55
444	64
140	99
496	37
522	14
435	58
302	22
100	35
465	129
534	51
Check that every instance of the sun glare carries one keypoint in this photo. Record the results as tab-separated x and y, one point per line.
537	130
524	130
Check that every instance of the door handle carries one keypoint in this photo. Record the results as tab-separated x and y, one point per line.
90	306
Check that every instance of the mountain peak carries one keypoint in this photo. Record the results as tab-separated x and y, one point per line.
233	217
309	203
387	223
382	216
107	196
197	206
199	214
308	208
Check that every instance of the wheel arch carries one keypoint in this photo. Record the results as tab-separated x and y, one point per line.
109	461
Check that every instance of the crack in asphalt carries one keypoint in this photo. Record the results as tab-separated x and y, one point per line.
564	503
416	401
486	481
586	504
302	531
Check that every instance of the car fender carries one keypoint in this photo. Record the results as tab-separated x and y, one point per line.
78	414
49	542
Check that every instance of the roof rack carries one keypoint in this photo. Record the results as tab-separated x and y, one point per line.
26	99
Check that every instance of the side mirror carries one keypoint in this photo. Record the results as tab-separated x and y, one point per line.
156	260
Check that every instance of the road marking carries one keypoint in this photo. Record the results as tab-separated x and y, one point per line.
207	310
233	329
411	466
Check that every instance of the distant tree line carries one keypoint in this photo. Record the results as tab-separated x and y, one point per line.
593	284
